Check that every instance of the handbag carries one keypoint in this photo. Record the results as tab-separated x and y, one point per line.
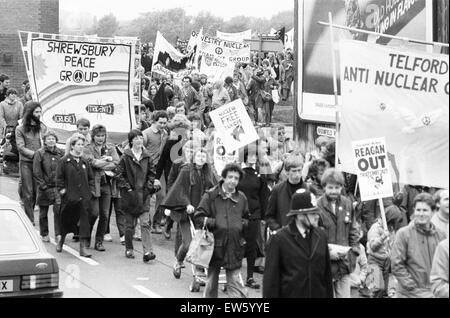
133	202
201	248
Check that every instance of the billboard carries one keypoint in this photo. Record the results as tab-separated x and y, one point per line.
403	18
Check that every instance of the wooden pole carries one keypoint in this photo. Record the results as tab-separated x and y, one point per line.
383	214
336	100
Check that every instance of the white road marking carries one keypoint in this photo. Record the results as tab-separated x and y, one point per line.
147	292
143	278
71	251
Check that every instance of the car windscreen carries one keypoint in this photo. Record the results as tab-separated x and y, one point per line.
14	236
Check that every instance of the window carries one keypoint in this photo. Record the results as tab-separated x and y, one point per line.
14	235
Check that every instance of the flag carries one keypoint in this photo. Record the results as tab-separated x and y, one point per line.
281	34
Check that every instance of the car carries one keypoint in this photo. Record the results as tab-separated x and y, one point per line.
26	268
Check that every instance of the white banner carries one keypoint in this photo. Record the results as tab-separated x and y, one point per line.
234	125
236	37
167	60
370	159
83	79
402	95
222	156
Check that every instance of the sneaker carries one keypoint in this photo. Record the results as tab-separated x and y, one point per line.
149	257
252	284
99	247
122	240
45	239
157	229
129	254
137	238
107	238
177	270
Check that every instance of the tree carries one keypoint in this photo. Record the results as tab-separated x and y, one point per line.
237	24
107	26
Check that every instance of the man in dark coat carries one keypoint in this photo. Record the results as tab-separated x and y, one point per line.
224	211
297	258
280	198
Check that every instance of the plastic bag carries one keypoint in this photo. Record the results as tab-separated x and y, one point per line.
275	96
374	279
201	248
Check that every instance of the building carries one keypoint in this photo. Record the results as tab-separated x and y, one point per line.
23	15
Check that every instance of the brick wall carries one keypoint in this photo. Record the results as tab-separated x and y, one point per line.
23	15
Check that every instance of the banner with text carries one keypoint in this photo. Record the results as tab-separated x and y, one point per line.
403	95
222	156
402	18
234	125
370	159
77	79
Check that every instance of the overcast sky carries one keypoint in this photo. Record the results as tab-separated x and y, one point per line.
130	9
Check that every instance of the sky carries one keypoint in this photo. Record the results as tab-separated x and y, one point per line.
130	9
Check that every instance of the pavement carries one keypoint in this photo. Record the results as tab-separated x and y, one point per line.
110	275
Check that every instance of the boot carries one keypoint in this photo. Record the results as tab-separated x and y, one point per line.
59	243
83	250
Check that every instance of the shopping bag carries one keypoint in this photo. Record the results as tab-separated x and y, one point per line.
201	248
374	279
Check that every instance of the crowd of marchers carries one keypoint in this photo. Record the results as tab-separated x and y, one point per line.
292	216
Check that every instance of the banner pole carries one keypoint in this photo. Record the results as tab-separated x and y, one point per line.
382	34
383	214
336	101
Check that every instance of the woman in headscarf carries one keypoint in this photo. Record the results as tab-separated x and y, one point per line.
184	196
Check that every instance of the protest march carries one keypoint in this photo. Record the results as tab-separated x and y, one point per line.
114	139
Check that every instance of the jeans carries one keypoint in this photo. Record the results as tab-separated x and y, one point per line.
385	266
235	285
159	197
186	238
100	209
27	188
130	224
342	287
43	220
120	216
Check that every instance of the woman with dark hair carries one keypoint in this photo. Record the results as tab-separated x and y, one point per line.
75	183
45	163
136	176
29	140
184	196
315	173
232	91
152	91
257	192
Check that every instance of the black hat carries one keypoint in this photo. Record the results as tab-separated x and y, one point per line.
303	202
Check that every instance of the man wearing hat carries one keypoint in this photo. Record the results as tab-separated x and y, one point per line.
297	257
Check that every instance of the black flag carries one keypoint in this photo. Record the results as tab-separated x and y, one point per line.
281	34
